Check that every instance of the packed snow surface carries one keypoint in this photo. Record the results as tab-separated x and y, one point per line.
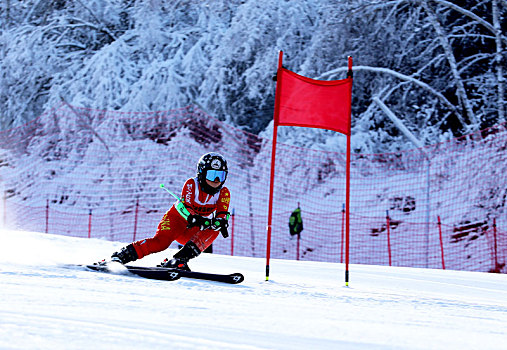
46	304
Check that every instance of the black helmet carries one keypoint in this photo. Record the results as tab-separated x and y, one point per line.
211	166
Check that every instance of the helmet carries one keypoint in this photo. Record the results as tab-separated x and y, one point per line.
211	166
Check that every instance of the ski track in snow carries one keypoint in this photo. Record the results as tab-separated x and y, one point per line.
305	305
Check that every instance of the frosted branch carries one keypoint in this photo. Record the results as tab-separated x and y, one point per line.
499	61
460	87
398	75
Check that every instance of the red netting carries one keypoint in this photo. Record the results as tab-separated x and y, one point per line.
92	173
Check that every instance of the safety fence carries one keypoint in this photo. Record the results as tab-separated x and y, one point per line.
92	173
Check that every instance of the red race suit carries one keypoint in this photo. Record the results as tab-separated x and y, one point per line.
173	227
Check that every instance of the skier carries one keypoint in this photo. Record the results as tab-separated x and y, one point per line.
194	221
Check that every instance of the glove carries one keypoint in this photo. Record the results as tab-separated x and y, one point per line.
197	220
220	224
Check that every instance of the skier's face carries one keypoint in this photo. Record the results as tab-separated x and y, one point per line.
213	184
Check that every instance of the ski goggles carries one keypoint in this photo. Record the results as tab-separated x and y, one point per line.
213	174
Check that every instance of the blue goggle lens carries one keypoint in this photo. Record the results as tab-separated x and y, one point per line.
213	174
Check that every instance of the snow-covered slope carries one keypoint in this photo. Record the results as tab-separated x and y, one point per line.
305	305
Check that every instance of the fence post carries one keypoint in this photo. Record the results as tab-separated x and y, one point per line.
90	224
343	231
441	242
388	236
135	220
497	269
297	246
4	223
47	215
232	232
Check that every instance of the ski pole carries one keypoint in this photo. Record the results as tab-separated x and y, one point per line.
180	207
172	194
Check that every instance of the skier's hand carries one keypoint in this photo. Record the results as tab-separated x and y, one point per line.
220	224
197	220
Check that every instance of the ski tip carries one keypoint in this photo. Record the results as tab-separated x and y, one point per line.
96	267
237	278
110	266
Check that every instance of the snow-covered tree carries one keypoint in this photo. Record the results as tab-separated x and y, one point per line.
443	68
438	65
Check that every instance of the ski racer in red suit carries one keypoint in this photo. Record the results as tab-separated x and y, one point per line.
194	221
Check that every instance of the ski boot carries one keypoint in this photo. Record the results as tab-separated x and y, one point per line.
181	258
125	255
174	263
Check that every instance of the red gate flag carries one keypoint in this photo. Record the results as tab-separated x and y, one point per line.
314	103
301	101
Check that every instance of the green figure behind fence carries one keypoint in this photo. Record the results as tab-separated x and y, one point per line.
295	222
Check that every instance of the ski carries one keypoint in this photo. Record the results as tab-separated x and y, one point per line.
157	273
168	274
233	278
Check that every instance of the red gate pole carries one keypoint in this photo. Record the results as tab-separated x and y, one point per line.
388	236
135	220
232	232
343	232
347	181
90	224
273	159
441	242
